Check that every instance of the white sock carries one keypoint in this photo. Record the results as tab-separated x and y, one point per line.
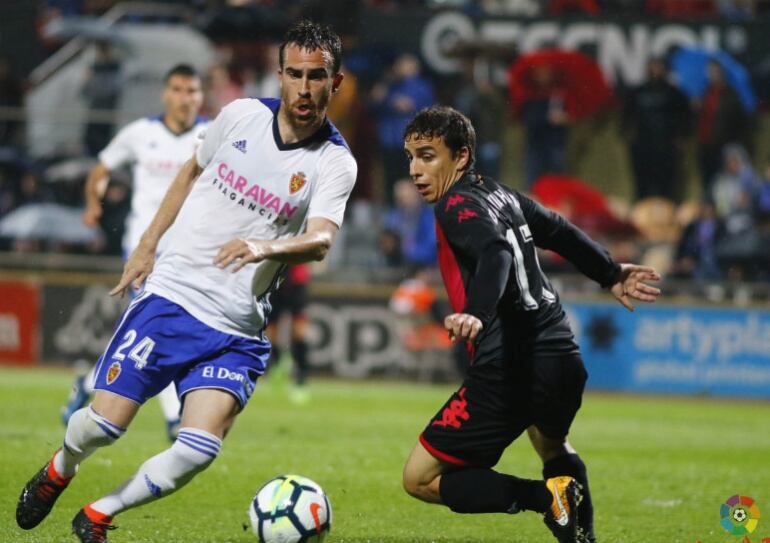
191	453
169	403
86	432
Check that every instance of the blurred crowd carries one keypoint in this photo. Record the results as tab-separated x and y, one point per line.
718	230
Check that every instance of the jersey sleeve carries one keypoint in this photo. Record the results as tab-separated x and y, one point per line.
215	133
337	178
469	229
467	225
552	231
121	149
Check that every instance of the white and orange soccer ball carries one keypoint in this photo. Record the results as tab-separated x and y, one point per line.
290	509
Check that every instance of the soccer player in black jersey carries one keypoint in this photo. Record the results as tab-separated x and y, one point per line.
526	371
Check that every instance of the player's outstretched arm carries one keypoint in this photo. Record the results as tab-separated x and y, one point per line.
630	284
142	259
96	184
312	245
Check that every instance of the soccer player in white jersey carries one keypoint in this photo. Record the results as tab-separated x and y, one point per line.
267	187
156	148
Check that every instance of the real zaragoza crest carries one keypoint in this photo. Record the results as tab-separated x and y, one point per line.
297	182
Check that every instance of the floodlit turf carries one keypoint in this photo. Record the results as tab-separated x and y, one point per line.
660	467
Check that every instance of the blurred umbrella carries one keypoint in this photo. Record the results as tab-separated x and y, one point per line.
581	204
576	75
689	64
74	169
52	222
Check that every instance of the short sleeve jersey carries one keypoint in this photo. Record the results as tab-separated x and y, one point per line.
155	154
252	186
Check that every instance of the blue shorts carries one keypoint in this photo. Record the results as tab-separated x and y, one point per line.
157	342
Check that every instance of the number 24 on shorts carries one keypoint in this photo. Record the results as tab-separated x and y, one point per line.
139	352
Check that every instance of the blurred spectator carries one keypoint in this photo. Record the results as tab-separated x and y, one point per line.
657	119
545	121
485	107
221	90
735	190
409	233
395	100
10	97
736	10
116	205
721	120
263	83
101	91
696	250
31	190
763	197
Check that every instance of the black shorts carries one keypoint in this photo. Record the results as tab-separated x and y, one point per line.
495	405
290	298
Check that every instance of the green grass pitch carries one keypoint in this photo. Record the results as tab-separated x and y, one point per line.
660	467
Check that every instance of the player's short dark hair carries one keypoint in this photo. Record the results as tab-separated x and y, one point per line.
185	70
447	123
309	36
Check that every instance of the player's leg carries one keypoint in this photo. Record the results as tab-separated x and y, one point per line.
207	416
89	428
560	458
171	408
214	391
452	462
471	489
82	388
299	348
558	383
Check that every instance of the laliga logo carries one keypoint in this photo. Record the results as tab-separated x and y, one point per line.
739	516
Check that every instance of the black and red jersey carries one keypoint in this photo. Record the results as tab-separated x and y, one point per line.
488	236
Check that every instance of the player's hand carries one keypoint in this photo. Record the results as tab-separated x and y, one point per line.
92	214
463	326
138	267
630	285
243	251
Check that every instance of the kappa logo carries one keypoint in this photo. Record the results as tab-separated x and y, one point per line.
465	214
240	145
297	181
113	372
453	201
456	413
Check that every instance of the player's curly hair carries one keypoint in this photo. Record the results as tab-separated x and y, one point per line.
310	35
447	123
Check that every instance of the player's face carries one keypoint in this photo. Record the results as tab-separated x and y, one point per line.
183	97
432	167
307	83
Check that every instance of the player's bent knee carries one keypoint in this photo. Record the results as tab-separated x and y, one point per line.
88	430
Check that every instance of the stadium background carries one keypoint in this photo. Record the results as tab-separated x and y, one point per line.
375	301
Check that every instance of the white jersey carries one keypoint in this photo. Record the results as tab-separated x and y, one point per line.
156	155
253	186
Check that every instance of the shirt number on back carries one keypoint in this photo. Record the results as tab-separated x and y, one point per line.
140	352
520	271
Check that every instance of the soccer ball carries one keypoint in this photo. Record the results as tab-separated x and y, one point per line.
290	509
739	514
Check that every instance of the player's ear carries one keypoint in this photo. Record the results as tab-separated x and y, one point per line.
464	158
337	81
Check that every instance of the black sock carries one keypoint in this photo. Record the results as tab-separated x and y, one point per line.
572	465
299	355
479	490
275	355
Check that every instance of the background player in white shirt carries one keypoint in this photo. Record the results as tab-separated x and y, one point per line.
156	148
267	187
